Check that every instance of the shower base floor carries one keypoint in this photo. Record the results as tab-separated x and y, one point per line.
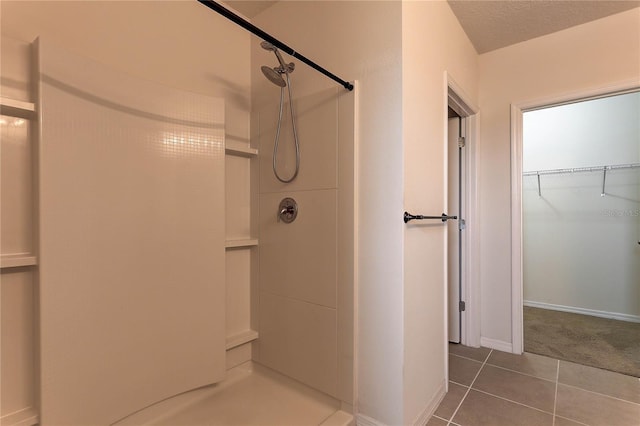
251	395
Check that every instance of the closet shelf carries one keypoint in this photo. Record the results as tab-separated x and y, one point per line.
240	150
582	169
241	338
17	260
16	108
602	169
251	242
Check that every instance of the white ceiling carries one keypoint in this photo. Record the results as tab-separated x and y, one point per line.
492	24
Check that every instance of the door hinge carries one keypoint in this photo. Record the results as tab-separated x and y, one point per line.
461	142
462	224
462	306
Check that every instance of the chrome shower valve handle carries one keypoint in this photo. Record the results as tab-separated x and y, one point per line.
288	210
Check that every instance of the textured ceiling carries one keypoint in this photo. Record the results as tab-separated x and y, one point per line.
493	24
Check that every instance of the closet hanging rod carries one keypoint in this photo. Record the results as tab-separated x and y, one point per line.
582	169
211	4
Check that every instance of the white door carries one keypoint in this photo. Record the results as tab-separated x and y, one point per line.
455	228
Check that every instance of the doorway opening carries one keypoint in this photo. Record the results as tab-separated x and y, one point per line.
456	151
462	235
572	202
581	232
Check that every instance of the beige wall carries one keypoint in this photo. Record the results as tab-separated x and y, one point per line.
590	56
433	42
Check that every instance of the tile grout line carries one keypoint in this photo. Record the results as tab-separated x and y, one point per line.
459	384
469	388
600	394
573	420
557	381
514	402
555	397
440	418
520	372
467	358
538	409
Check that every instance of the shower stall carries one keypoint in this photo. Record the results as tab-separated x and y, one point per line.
187	255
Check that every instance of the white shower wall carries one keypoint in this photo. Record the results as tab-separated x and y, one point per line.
305	300
163	42
134	49
130	264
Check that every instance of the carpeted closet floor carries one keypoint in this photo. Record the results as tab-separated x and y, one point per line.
598	342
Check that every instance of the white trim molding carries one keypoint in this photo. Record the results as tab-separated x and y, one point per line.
362	420
431	406
583	311
517	336
463	105
498	345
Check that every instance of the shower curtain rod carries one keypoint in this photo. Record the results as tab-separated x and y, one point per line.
211	4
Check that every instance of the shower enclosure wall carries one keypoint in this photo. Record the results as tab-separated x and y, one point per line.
289	287
306	267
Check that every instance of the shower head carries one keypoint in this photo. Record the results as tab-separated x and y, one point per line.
283	66
273	75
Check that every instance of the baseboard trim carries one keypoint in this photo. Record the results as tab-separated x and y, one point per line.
423	417
498	345
431	406
362	420
583	311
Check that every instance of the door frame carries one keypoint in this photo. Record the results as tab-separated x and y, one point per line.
517	111
459	101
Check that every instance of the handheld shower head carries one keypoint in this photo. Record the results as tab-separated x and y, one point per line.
274	75
268	46
271	48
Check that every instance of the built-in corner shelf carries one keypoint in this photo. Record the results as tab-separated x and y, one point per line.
251	242
16	108
232	148
17	260
241	338
25	417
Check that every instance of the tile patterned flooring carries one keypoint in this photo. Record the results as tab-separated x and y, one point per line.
492	388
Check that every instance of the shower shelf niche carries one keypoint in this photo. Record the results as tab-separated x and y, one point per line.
241	338
17	260
250	242
16	108
240	150
25	417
